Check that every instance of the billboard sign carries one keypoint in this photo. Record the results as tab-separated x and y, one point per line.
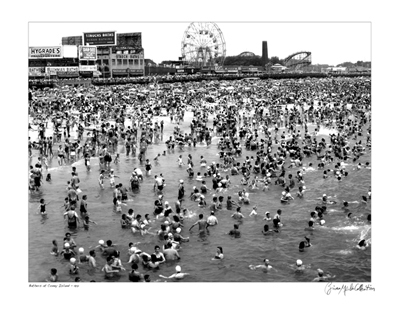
99	38
36	71
126	56
45	52
87	52
53	70
87	67
68	74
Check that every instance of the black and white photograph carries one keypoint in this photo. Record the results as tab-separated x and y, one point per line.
220	152
193	152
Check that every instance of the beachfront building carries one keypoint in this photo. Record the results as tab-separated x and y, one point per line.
118	54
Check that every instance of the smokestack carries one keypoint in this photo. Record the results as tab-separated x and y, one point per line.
264	52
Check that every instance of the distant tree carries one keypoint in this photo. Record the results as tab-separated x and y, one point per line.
241	61
346	64
274	60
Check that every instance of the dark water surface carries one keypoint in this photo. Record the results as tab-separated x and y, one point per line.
333	247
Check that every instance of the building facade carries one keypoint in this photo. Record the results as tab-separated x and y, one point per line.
124	57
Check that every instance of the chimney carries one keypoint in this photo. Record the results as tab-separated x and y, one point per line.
264	53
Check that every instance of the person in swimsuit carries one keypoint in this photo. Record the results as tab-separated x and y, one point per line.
53	276
72	218
203	225
42	207
178	275
158	254
147	166
219	255
108	270
67	252
101	179
86	222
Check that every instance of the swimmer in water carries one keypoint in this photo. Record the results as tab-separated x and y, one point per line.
299	266
321	277
304	244
235	231
86	222
265	267
202	223
253	211
237	215
310	226
101	179
54	250
325	199
53	276
42	207
267	231
362	245
219	255
301	191
178	275
364	199
267	217
112	177
73	269
108	270
180	160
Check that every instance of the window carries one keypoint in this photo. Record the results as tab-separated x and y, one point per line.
119	62
113	62
141	62
105	61
126	52
136	61
125	61
131	62
98	62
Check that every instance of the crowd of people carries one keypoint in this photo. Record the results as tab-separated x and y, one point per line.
270	119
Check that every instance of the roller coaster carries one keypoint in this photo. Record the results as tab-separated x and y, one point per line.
298	60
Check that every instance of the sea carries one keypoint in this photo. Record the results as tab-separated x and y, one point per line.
333	244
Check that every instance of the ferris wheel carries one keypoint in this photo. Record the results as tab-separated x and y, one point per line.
203	44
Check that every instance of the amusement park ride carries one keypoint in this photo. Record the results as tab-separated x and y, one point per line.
298	60
203	44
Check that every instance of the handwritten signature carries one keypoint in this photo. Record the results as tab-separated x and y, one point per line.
344	288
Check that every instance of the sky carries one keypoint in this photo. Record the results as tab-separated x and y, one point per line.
330	43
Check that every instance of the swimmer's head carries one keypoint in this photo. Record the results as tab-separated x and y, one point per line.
320	272
362	243
81	250
178	230
72	260
66	245
322	222
101	242
178	269
299	262
349	215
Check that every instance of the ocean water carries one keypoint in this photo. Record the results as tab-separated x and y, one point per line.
334	244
